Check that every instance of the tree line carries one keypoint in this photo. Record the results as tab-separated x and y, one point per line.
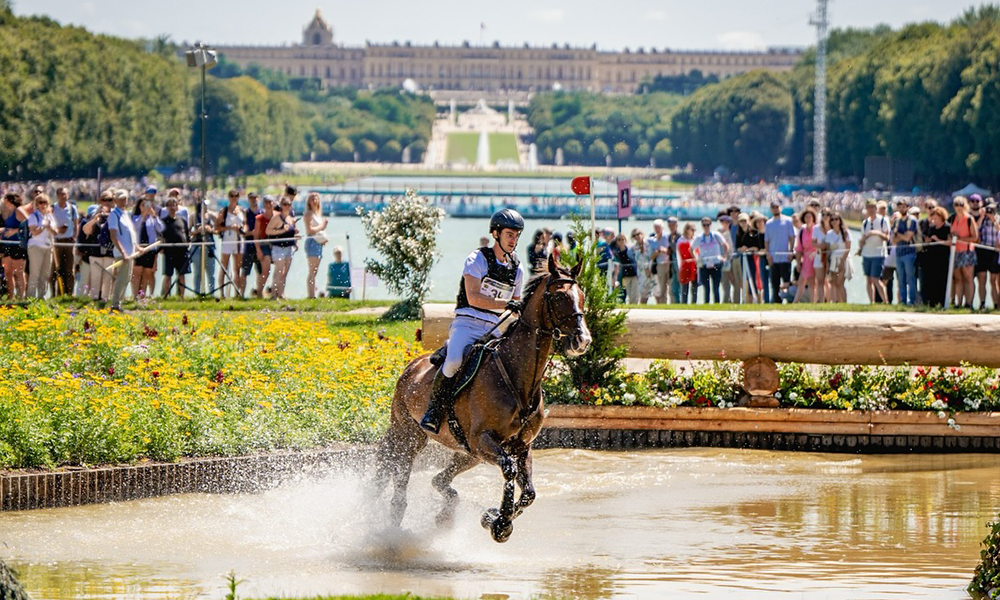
926	93
77	102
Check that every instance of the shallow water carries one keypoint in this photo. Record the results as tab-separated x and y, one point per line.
682	523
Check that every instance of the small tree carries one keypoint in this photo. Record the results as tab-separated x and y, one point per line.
405	234
601	364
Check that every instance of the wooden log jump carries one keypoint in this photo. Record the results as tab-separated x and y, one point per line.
817	337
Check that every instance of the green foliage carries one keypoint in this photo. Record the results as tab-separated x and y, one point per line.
405	234
742	123
587	126
684	84
986	579
74	102
601	364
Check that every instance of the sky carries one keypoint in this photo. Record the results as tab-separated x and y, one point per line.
612	25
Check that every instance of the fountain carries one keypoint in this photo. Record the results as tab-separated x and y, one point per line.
483	151
532	157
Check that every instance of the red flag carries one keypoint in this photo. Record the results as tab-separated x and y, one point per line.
580	186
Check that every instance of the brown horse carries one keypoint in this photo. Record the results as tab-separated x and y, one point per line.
500	411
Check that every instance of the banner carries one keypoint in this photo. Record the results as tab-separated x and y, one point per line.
624	198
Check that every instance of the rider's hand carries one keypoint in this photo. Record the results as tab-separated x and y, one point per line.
515	306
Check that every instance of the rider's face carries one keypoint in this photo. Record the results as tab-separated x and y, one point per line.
508	239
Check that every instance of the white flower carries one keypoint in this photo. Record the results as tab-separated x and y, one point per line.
628	398
941	414
778	395
791	396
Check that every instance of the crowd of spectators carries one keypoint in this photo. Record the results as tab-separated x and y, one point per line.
120	241
911	249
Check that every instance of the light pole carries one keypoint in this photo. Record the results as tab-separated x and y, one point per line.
202	57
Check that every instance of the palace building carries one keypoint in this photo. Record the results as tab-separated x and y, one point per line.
492	68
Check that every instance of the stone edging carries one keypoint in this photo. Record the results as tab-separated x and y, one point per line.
619	427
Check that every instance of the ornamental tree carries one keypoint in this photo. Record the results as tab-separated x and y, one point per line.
404	233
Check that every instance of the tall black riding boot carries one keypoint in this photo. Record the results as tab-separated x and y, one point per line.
441	400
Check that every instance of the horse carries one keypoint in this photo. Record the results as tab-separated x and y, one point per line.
498	413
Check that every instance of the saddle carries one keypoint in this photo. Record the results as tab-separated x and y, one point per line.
472	360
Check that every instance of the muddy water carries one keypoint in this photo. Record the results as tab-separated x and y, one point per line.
689	523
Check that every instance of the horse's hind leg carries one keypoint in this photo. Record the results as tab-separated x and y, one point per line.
401	444
460	463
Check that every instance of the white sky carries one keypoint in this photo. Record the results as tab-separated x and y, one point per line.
677	24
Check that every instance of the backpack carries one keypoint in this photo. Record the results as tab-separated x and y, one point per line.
104	235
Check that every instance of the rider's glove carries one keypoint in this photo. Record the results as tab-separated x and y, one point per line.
514	306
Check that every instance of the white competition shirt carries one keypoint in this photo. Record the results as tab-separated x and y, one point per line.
476	266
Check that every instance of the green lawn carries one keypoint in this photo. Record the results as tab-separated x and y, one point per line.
503	146
462	147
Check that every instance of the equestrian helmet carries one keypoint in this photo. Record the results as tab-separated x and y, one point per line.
507	218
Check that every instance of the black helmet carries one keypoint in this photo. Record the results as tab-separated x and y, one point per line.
507	218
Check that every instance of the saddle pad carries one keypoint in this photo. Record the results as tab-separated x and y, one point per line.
471	362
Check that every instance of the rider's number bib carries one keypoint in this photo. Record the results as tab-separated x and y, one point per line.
496	290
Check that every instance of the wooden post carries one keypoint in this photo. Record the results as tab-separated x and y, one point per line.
760	380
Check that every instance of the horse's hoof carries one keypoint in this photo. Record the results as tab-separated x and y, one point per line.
501	530
489	517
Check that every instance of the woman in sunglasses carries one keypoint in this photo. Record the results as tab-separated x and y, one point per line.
281	231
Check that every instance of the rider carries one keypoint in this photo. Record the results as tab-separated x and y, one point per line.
491	282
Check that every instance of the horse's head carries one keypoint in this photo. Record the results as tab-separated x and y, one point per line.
563	309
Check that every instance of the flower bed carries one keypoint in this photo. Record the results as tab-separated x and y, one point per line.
942	390
90	388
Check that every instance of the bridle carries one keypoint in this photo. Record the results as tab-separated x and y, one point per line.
549	312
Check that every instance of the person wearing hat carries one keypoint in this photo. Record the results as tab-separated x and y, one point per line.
987	270
491	283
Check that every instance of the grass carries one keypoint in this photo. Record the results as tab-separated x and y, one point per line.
503	146
462	147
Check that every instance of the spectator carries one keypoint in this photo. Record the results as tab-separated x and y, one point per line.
101	250
987	268
230	223
250	259
759	222
871	247
42	227
484	242
177	235
557	245
640	254
661	256
625	270
904	237
316	232
963	227
749	245
203	242
67	218
805	253
537	253
263	245
281	232
731	285
838	244
779	240
673	236
935	257
123	237
687	274
711	248
148	228
821	261
14	239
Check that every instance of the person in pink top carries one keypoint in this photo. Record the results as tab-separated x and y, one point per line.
805	251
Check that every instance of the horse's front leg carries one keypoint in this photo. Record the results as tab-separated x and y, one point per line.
500	521
524	482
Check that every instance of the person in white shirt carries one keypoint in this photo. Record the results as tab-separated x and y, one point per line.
42	228
871	247
838	244
123	238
